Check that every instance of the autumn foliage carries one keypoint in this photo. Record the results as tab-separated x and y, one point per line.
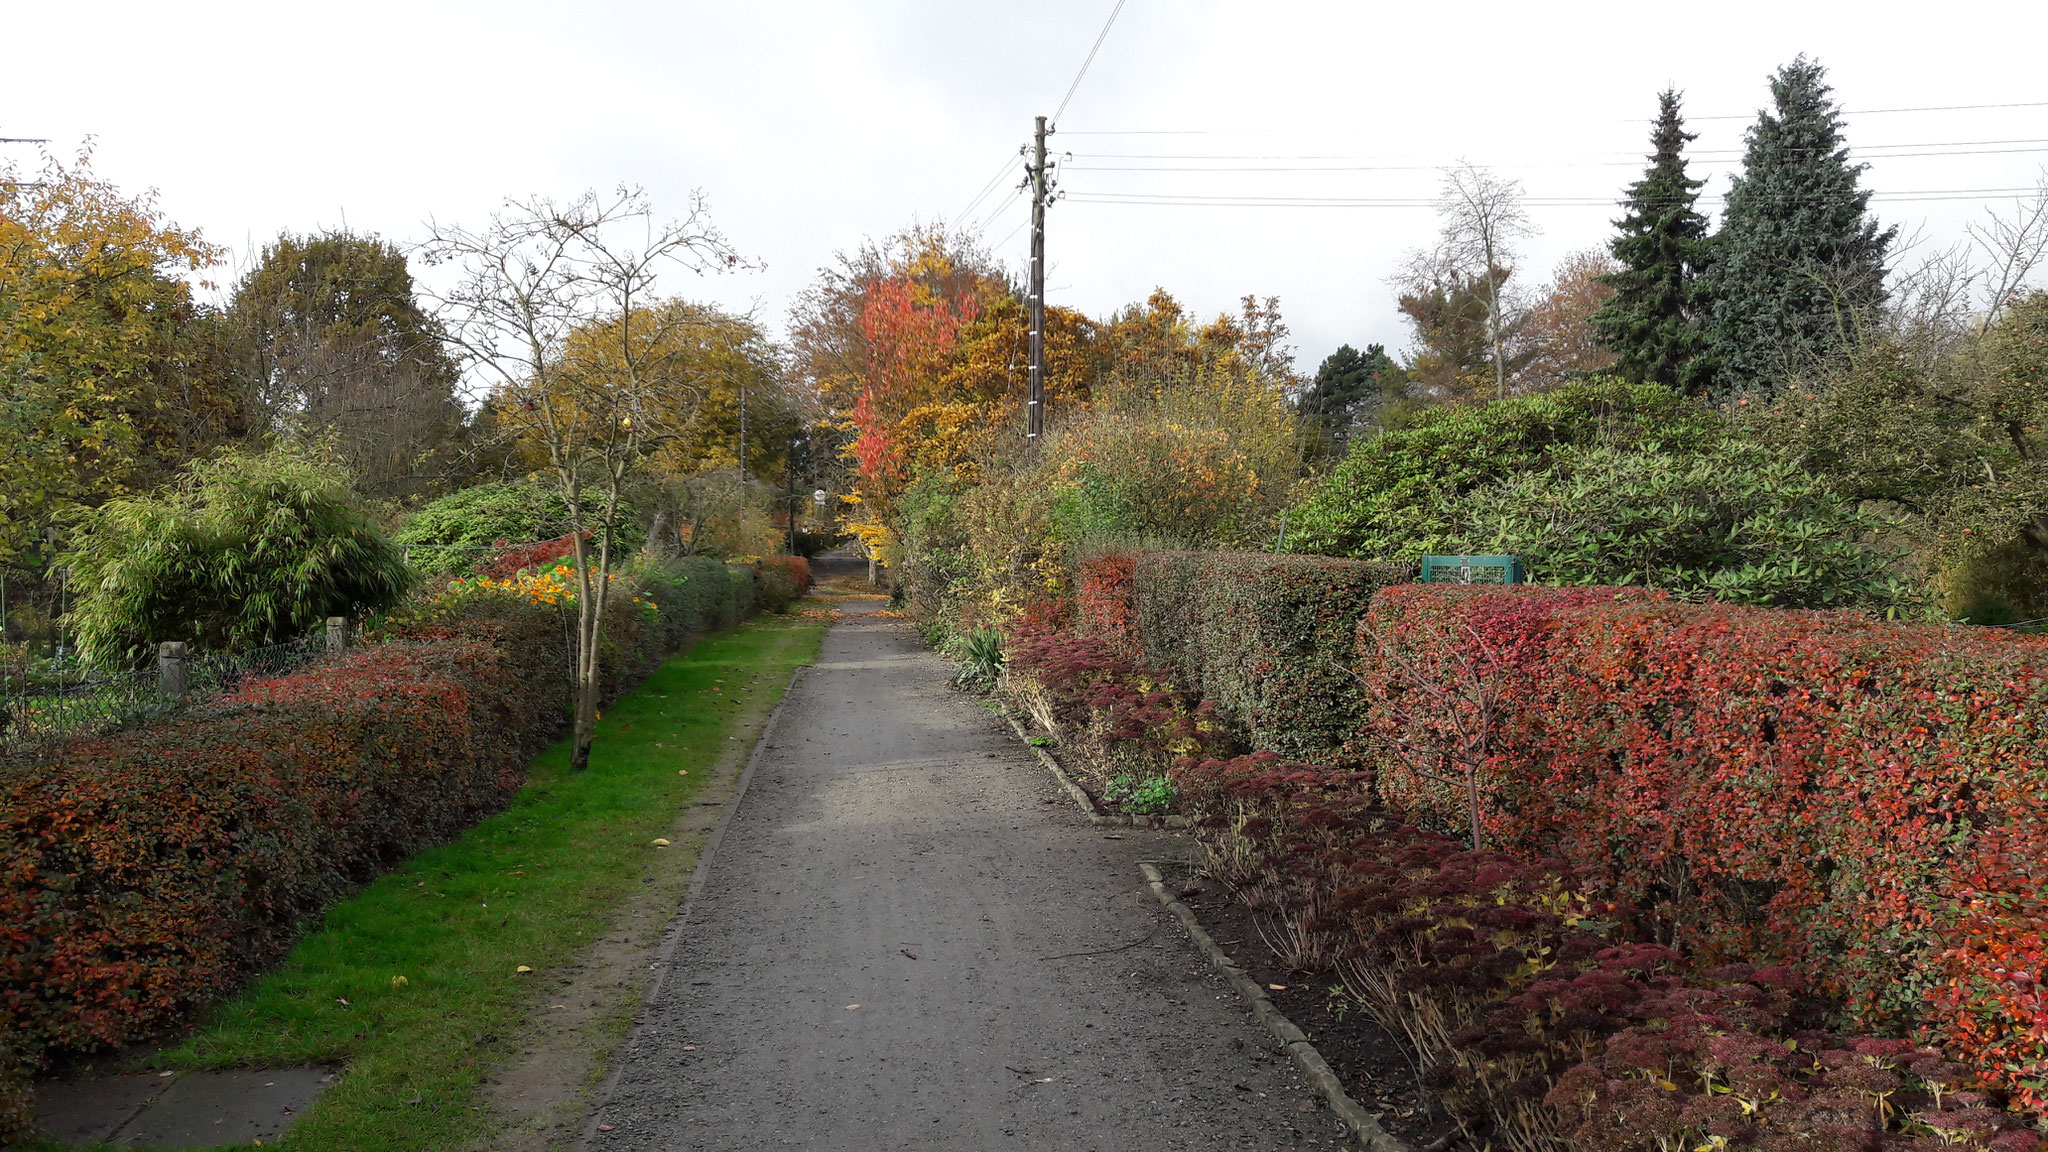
1860	799
147	871
1723	851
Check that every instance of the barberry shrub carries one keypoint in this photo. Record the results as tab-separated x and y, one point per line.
1858	799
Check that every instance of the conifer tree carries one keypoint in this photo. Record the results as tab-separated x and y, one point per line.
1656	324
1798	261
1348	391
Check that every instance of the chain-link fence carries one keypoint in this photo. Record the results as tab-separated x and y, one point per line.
55	700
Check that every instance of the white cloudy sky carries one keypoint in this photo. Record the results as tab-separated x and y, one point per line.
810	125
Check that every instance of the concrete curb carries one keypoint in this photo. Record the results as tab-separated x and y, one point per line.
664	959
1082	799
1313	1067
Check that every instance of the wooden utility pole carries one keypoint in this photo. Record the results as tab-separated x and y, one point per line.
1034	408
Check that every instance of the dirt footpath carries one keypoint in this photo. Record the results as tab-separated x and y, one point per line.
910	940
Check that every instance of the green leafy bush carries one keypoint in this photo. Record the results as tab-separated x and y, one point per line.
1397	495
453	532
1737	523
242	551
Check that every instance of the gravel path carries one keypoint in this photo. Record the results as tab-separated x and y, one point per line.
896	852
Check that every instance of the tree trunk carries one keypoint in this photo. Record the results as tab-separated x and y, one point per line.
658	536
586	722
1472	803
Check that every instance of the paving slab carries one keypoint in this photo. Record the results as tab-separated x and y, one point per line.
184	1111
910	939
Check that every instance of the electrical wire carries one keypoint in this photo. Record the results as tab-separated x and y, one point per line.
1228	201
987	188
1710	155
1888	111
1099	38
1440	167
988	220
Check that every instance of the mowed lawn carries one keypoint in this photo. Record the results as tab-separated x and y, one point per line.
398	982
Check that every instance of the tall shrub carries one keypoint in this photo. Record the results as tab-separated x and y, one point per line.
1397	495
244	550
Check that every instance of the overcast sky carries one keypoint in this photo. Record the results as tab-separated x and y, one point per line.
812	125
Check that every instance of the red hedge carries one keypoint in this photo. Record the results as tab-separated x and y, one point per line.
147	871
1103	606
780	581
1861	799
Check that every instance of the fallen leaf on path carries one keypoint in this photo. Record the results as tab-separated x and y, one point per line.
852	1007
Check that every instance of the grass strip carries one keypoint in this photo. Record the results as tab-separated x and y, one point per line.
403	981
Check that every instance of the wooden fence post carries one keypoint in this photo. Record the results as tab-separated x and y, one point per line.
170	669
337	634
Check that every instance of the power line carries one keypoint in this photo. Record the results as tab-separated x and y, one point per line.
1888	111
1229	201
986	188
1099	38
1875	151
1704	162
1002	205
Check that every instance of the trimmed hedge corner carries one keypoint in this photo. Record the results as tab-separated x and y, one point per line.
1269	639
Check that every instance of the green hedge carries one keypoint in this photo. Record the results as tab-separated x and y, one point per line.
1269	639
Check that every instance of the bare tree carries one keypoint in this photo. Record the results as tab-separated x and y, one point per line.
1483	217
2015	245
551	313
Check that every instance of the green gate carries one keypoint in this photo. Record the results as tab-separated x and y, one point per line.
1471	570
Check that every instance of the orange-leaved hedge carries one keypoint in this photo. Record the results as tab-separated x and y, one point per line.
1866	801
1269	639
145	872
780	581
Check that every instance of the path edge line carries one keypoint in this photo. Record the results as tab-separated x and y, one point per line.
1313	1067
672	939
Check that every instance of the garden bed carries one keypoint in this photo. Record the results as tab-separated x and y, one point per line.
1371	1062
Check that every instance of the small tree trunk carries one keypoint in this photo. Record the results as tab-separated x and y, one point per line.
659	537
1472	803
586	722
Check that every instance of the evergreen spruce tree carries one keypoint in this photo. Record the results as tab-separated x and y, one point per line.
1347	392
1797	261
1655	324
